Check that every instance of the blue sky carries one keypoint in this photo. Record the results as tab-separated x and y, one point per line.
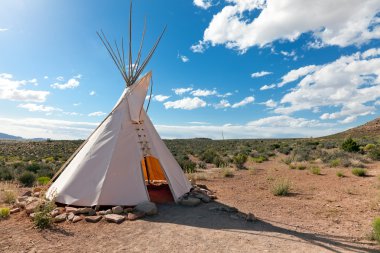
249	68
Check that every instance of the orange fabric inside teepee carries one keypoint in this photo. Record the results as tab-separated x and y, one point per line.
154	169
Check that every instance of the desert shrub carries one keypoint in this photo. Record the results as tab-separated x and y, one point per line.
292	166
350	145
259	159
239	160
281	187
374	153
6	174
43	180
315	170
287	160
226	172
340	174
335	162
301	167
359	172
27	179
345	162
9	196
284	150
49	159
369	147
219	162
187	165
201	165
376	229
274	146
34	167
42	218
4	212
45	172
208	155
328	145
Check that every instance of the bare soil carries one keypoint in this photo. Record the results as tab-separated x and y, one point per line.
323	213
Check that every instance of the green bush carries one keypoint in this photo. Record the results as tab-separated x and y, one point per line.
376	229
27	179
219	162
4	212
43	180
315	170
259	159
350	145
374	153
226	172
188	166
6	174
42	218
281	187
335	162
202	165
239	160
208	156
340	174
301	167
359	172
34	167
9	196
369	147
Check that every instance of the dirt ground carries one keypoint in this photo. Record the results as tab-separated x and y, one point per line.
323	213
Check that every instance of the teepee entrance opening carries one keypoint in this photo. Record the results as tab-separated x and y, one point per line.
155	180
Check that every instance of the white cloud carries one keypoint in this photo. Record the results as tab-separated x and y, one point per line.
60	78
11	90
186	103
38	108
348	83
199	123
224	95
160	98
260	74
70	84
77	104
92	93
203	93
46	128
270	127
3	29
244	102
203	4
340	22
222	104
46	77
267	87
96	114
270	103
199	47
348	120
295	74
377	102
180	91
183	58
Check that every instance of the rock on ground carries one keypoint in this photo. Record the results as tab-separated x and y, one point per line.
15	210
135	215
93	219
29	208
117	210
116	218
147	207
190	201
60	218
77	218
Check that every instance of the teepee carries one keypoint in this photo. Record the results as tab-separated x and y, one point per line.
125	154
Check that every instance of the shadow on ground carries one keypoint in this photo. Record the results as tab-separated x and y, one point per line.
211	217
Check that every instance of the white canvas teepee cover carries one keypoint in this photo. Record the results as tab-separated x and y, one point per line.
107	170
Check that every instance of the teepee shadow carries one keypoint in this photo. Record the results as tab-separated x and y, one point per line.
218	216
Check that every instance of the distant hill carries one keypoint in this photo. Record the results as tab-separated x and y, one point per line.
9	137
370	129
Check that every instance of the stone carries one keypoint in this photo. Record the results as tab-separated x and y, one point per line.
93	219
92	212
117	210
22	199
32	215
70	216
116	218
190	201
77	218
31	199
37	189
69	209
55	212
203	197
135	215
36	194
128	210
84	210
147	207
15	210
21	204
29	208
27	193
60	218
250	217
102	212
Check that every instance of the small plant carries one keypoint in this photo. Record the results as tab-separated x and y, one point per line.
281	187
359	172
350	145
43	180
376	229
340	174
301	167
287	160
4	212
239	160
315	170
335	162
226	172
27	179
292	166
9	196
259	159
42	218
